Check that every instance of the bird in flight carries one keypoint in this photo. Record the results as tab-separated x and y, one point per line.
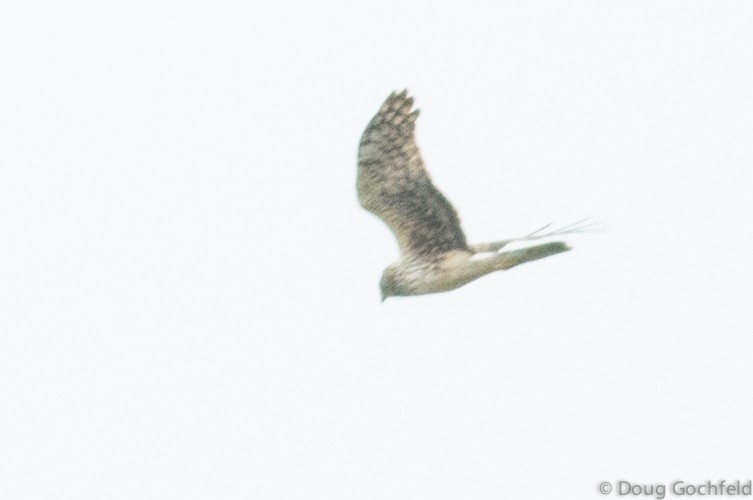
394	185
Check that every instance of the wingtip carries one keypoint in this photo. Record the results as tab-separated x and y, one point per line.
400	103
401	95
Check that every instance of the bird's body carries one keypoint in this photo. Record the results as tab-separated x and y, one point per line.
394	185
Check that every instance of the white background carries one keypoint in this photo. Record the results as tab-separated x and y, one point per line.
189	303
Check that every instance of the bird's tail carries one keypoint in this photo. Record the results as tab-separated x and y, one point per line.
507	260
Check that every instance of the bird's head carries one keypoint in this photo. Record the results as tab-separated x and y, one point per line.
386	285
389	283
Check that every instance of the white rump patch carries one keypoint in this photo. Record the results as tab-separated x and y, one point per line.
523	243
482	255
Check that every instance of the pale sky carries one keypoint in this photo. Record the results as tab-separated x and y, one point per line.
189	300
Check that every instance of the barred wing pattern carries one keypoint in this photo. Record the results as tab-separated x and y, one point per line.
394	185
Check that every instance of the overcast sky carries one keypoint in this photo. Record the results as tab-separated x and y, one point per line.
189	300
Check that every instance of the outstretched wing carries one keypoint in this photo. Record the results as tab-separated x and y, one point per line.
394	185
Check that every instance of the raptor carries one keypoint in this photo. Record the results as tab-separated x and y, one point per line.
394	185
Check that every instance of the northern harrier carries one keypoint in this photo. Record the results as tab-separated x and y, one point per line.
394	185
